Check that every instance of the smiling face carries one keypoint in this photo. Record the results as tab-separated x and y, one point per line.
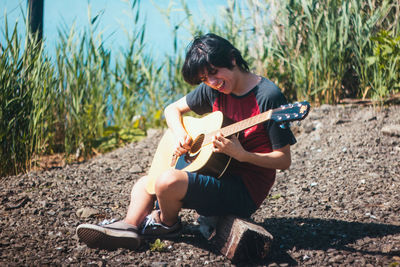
223	80
213	60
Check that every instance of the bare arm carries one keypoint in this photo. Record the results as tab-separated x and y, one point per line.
277	159
173	115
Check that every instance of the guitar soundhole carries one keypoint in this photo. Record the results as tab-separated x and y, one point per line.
197	144
194	149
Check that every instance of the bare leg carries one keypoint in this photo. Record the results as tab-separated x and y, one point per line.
141	203
170	189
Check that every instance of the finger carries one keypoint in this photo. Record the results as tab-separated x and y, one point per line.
182	150
234	139
185	146
215	142
222	140
186	142
215	148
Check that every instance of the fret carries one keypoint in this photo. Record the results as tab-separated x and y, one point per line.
285	113
239	126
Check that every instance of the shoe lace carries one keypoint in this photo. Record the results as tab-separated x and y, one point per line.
106	222
148	222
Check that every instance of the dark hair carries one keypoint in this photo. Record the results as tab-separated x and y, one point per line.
209	51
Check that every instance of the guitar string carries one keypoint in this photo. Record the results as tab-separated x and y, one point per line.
254	120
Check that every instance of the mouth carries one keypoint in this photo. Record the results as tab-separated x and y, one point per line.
220	86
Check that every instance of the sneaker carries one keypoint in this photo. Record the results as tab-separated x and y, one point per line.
115	235
152	227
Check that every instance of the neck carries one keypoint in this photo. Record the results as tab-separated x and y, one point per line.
245	82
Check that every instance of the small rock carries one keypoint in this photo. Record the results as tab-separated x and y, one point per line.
366	116
308	127
86	212
341	121
386	248
135	169
318	125
337	258
391	130
51	212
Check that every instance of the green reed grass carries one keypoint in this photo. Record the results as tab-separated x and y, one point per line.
322	41
26	97
84	84
314	50
87	101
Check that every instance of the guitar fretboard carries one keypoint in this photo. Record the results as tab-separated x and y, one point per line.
239	126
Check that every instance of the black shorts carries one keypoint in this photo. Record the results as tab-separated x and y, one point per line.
210	196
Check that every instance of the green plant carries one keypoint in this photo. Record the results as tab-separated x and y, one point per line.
26	99
84	85
385	65
158	246
114	137
275	197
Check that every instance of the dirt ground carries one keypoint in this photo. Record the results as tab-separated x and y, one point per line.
337	205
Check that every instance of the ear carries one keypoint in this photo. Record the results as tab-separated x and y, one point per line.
234	62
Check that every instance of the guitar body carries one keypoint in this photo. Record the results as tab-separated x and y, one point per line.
204	161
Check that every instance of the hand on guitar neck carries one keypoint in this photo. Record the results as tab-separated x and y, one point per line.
230	146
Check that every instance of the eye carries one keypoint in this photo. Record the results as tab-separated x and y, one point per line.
213	71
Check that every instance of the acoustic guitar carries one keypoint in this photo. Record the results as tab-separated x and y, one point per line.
200	158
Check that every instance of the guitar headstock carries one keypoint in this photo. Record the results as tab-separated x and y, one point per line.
291	112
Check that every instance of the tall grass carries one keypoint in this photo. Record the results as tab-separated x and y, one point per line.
84	84
325	44
87	100
26	97
316	50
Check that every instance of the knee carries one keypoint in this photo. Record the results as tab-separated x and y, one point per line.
140	184
169	182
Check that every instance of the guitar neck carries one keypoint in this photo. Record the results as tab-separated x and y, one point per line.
240	126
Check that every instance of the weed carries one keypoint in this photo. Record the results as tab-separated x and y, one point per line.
158	246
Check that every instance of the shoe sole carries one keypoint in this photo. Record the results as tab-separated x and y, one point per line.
100	237
171	235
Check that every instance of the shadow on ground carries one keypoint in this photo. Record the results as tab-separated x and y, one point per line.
323	234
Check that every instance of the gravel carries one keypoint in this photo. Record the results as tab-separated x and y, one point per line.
337	205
